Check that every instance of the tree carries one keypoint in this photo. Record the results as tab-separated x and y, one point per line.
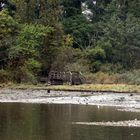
96	57
80	29
97	8
71	8
25	54
46	13
8	32
119	35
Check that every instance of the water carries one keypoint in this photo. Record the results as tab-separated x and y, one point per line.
54	122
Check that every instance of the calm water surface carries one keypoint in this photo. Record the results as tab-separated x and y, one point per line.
53	122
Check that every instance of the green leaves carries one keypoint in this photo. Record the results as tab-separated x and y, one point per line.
96	57
25	54
33	65
30	40
45	34
80	29
8	26
8	31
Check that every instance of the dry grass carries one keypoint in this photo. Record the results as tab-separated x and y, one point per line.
102	78
100	87
86	87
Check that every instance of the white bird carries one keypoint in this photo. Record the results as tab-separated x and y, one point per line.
2	4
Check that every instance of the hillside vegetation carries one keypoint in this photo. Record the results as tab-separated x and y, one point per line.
100	38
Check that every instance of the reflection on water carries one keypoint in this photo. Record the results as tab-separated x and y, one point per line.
54	122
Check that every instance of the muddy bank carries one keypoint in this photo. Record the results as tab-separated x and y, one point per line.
125	101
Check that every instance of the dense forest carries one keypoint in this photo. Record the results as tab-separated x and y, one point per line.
100	38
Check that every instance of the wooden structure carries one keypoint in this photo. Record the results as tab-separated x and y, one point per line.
59	78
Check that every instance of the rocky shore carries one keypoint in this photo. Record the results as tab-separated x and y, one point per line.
125	101
130	123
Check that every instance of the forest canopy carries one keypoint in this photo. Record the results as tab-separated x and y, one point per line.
91	36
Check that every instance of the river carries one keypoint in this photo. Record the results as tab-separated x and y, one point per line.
19	121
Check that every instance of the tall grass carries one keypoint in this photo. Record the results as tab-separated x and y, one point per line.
102	78
129	77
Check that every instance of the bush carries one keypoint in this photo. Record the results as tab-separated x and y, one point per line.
23	75
80	66
102	78
131	77
33	65
66	56
112	68
4	76
96	58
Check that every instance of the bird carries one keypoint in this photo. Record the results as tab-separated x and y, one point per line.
131	94
48	91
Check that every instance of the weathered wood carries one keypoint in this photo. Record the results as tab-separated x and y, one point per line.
73	78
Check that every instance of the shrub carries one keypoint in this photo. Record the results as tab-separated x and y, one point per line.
112	68
96	57
102	78
33	65
66	56
23	75
80	66
4	76
130	77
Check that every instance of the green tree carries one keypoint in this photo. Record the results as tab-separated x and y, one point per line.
25	54
71	8
120	38
80	29
8	31
96	57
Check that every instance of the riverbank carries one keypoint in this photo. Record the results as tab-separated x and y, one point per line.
115	88
125	96
124	101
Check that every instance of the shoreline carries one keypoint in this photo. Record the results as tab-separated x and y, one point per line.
125	102
122	101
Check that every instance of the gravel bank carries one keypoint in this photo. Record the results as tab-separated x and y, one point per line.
126	101
130	123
